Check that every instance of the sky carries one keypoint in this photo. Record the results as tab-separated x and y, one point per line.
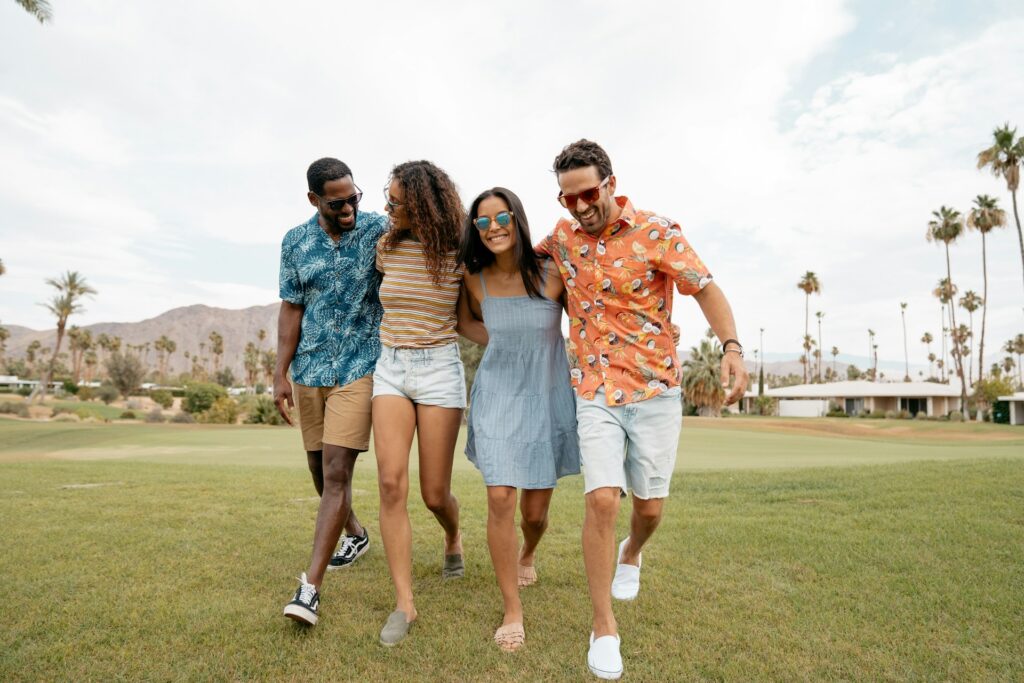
160	148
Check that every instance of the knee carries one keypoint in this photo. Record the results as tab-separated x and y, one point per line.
647	516
535	520
501	501
603	502
338	475
436	500
393	489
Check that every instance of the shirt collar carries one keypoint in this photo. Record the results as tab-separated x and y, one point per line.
626	219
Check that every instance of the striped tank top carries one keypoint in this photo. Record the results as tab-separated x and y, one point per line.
417	312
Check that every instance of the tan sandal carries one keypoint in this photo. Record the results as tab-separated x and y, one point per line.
527	575
510	637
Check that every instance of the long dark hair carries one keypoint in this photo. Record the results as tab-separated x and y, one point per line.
435	212
476	256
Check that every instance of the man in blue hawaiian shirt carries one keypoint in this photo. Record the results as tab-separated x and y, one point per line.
328	333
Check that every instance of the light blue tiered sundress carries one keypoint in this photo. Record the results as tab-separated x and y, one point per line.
522	411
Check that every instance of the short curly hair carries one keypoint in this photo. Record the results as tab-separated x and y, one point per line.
323	171
435	210
581	154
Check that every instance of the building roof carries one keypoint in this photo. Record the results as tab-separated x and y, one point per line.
1019	396
865	389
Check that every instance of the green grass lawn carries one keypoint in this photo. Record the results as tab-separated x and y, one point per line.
167	552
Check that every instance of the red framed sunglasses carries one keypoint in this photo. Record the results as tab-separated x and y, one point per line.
590	196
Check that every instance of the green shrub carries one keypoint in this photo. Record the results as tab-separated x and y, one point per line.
86	393
70	387
128	415
24	391
223	411
107	393
14	408
263	412
956	416
183	418
155	415
162	398
875	415
200	396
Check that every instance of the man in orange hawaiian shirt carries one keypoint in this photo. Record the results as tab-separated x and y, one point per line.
619	265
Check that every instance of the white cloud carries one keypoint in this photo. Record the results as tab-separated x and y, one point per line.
181	132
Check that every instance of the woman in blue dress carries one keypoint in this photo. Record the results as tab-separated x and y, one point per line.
522	412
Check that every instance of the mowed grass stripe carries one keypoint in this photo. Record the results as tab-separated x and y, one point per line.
881	573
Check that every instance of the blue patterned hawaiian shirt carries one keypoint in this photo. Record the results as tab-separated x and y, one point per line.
338	284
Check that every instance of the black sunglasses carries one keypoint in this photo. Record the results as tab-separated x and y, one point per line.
339	204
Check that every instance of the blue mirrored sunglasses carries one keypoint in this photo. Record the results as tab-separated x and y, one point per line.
484	222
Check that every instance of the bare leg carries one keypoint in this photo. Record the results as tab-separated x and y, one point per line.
502	542
437	429
533	508
335	505
315	461
394	419
644	520
602	507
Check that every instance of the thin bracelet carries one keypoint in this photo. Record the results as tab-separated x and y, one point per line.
739	351
732	341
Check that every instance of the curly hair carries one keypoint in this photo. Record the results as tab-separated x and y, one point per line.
581	154
435	213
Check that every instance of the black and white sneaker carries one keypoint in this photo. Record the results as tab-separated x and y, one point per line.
350	550
304	605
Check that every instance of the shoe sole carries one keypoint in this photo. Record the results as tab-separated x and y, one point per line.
629	598
336	567
300	614
606	675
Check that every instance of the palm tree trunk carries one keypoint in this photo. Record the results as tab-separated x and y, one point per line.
807	322
906	353
970	366
958	361
1020	235
984	308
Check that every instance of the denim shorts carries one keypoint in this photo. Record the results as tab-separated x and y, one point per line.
631	447
430	377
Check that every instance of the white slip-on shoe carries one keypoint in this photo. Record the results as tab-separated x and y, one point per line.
604	659
626	583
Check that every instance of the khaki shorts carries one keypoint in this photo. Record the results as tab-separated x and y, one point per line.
338	416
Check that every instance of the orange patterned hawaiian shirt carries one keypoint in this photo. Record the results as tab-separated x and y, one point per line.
619	291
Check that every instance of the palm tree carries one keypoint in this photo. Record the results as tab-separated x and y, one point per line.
946	226
871	346
40	9
984	217
810	285
835	352
71	288
906	354
926	339
819	315
1016	346
3	268
971	302
217	349
1004	159
701	381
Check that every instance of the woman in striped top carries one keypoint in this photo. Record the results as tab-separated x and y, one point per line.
419	383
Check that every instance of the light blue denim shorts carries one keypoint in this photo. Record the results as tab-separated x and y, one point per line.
632	446
431	377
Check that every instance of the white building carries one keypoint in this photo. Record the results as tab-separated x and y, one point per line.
1016	402
812	400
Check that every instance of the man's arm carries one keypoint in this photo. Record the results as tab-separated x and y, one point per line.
289	326
716	310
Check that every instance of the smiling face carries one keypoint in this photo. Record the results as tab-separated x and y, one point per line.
497	238
344	218
593	218
396	206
